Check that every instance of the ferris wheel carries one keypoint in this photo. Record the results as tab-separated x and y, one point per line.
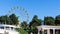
19	9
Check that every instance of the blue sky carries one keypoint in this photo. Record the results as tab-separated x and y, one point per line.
35	7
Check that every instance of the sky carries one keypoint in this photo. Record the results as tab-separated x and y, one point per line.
40	8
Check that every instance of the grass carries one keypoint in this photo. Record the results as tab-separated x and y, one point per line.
21	31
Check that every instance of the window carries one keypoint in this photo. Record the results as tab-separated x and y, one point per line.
2	27
12	28
7	28
45	31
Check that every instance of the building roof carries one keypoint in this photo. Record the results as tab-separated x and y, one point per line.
47	27
5	25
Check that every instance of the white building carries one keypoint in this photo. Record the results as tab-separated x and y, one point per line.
8	29
46	29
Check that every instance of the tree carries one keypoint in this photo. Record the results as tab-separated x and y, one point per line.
24	24
35	22
57	20
49	21
7	19
14	19
4	20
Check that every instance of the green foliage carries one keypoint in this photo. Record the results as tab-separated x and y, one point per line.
35	22
31	27
57	20
4	19
24	24
21	31
49	20
14	19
